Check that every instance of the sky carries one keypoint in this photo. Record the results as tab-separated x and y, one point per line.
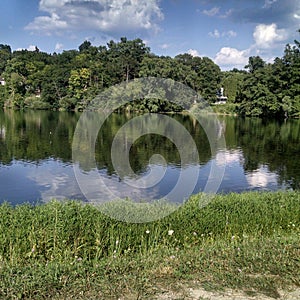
227	31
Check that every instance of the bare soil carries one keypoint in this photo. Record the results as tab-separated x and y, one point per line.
202	294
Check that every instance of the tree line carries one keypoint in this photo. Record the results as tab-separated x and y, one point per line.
71	79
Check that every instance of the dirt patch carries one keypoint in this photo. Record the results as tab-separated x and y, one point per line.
202	294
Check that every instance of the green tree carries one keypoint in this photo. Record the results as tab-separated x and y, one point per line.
208	75
126	57
85	46
79	82
5	55
255	63
230	82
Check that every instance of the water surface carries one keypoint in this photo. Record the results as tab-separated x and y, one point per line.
36	156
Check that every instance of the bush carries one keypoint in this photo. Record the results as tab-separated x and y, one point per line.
228	108
34	102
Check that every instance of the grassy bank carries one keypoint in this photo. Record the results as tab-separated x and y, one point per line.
69	250
231	109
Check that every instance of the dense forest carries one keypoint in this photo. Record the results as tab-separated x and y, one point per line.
71	79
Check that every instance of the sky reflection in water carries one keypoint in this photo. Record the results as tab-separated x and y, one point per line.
36	166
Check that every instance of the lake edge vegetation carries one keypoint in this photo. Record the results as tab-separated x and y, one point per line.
247	241
71	79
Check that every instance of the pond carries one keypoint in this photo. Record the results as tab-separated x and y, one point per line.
37	165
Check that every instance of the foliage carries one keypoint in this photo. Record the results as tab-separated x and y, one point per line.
70	80
5	55
272	90
255	63
231	82
226	109
208	75
150	105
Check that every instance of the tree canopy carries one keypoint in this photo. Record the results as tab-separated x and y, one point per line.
71	79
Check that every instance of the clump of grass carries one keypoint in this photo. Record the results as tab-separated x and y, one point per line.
226	109
72	249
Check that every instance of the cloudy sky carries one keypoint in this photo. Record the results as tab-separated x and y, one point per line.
228	31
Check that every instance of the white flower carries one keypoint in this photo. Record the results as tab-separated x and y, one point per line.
117	242
194	233
147	231
170	232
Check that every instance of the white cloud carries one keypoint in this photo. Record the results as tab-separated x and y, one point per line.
103	15
193	52
232	57
59	46
266	35
212	12
231	33
217	34
47	24
227	14
164	46
29	48
269	3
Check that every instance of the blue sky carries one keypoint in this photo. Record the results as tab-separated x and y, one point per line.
227	31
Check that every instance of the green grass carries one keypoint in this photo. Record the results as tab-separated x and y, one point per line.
226	109
69	250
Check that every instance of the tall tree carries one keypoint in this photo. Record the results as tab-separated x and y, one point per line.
255	63
127	56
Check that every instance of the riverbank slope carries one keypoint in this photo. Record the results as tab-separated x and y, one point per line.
66	250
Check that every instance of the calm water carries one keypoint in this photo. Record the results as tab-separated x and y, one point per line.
36	157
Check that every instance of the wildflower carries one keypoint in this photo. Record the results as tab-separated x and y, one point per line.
170	232
147	231
117	242
172	257
233	237
194	233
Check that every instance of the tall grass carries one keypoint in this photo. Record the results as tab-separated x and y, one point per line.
48	248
